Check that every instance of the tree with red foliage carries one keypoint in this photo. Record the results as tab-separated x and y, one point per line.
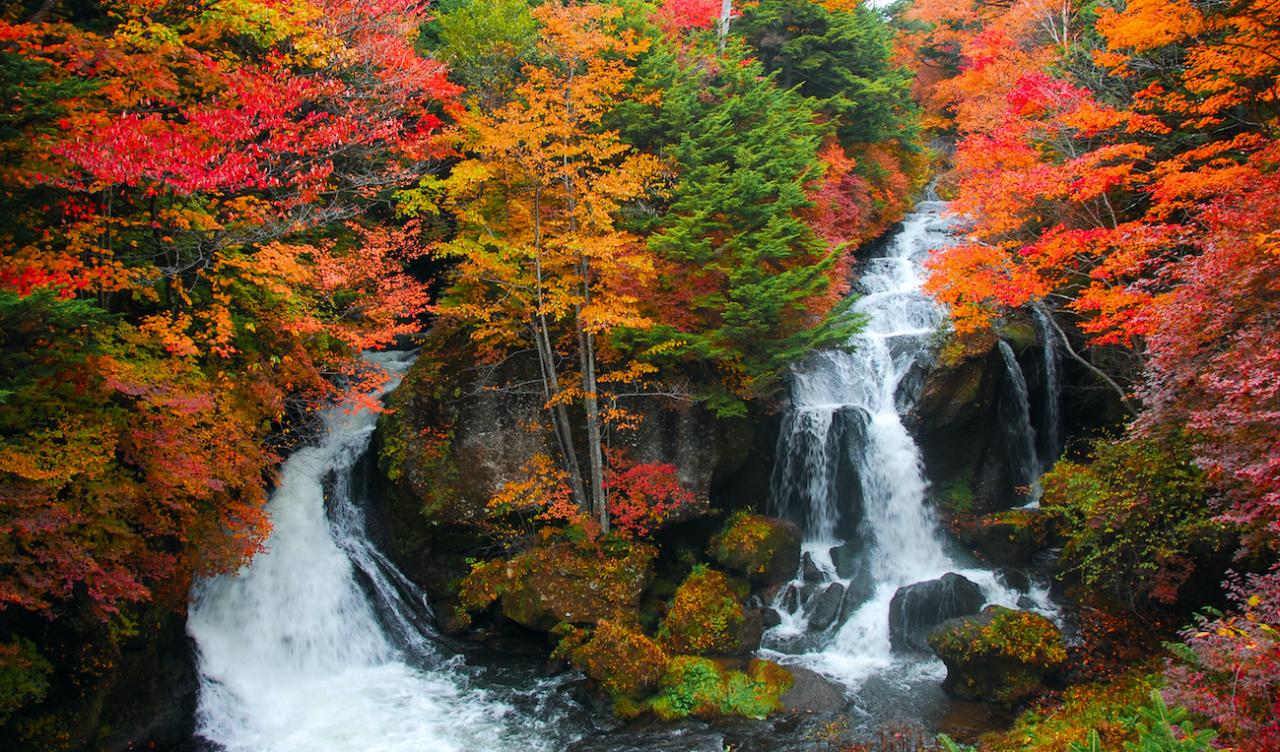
167	167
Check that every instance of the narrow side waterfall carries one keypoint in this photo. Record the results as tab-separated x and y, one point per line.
1052	443
1024	459
320	644
867	538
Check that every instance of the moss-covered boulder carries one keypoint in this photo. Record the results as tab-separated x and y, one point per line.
764	549
563	583
623	660
707	617
1000	655
698	687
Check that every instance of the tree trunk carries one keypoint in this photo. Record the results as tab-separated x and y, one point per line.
550	379
595	444
726	10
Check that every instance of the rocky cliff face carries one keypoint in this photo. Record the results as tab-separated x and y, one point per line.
956	421
965	405
457	432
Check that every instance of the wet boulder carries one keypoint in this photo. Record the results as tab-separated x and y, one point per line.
847	558
1014	579
916	609
809	569
812	692
763	549
1000	655
825	607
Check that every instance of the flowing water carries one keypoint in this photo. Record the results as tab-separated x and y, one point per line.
1052	444
320	644
1023	458
844	451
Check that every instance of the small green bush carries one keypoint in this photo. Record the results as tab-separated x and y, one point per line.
1136	517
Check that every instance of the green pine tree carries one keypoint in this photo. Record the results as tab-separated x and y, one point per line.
744	150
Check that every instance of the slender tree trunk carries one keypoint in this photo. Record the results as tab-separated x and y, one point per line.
586	347
550	379
726	10
595	444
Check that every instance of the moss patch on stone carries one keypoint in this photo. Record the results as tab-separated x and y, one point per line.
761	548
1000	655
563	582
697	687
705	617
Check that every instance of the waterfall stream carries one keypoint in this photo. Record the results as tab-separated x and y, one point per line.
1052	444
1023	458
845	420
321	644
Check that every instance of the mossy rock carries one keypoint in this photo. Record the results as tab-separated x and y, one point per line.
697	687
1000	655
764	549
563	583
1013	536
707	617
626	663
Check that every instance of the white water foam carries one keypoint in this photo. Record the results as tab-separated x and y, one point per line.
898	534
295	655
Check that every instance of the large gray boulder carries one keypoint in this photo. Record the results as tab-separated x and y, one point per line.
917	609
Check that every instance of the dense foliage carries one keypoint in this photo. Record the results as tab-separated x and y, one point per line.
165	304
1136	518
1116	169
213	207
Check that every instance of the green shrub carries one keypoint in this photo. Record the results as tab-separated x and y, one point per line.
1136	517
693	686
24	676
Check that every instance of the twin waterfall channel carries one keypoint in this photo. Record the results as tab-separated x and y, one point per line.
321	644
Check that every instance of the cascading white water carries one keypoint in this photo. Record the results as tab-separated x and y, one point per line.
899	540
1053	388
294	654
1023	457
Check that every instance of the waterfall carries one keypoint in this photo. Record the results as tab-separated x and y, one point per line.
1023	458
1052	388
320	644
863	391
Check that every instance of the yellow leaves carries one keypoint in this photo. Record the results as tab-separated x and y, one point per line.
59	454
424	199
171	333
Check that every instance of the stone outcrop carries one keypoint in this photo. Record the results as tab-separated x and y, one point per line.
562	584
1010	537
458	431
999	655
763	549
917	609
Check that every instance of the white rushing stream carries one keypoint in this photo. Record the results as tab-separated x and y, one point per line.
846	413
320	644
